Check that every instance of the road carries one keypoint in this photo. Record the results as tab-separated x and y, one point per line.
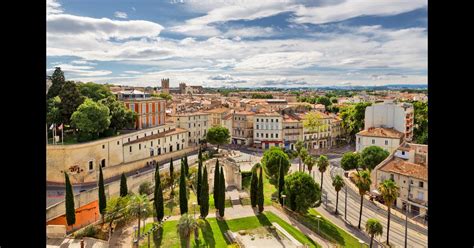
55	192
417	235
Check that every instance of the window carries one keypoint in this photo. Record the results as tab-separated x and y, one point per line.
271	120
358	141
266	135
189	125
189	134
118	142
257	119
103	146
276	135
386	142
276	120
130	148
151	143
403	152
391	177
266	120
257	126
257	135
102	163
271	135
420	184
420	196
373	141
139	146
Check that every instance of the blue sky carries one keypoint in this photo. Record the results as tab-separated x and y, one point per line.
239	43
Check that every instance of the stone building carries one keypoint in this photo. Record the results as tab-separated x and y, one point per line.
197	124
268	130
151	111
242	128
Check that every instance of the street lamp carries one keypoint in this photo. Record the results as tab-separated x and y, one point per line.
194	208
319	219
345	203
283	196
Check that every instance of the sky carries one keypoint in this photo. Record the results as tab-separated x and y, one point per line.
239	43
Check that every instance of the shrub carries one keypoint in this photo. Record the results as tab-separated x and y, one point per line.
145	188
89	231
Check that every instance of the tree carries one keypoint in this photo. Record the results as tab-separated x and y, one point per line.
183	198
186	165
216	185
304	154
362	181
165	96
94	91
158	196
281	184
324	100
199	181
139	207
218	136
70	210
371	156
102	198
260	195
302	191
309	162
221	198
171	175
350	160
323	164
420	131
389	191
71	99
185	227
115	209
313	121
53	113
271	162
200	154
91	117
204	200
120	116
254	185
353	118
123	185
57	80
299	146
338	183
373	227
145	188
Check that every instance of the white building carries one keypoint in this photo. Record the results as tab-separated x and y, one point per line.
268	130
391	115
197	124
386	138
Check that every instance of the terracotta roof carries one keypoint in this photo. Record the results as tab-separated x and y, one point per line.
269	114
158	135
217	110
190	114
403	167
381	132
229	116
244	113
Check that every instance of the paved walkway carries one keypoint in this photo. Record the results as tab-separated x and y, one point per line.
76	243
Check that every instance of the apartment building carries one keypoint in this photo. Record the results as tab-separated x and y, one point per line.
242	128
386	138
151	111
407	166
292	131
217	115
197	124
337	131
268	130
318	138
391	115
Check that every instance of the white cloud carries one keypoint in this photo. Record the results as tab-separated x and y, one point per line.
250	32
53	7
80	70
132	72
120	14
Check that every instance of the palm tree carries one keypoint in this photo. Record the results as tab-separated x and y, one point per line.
298	146
303	155
323	164
310	162
115	209
186	226
373	227
338	183
139	207
389	191
362	181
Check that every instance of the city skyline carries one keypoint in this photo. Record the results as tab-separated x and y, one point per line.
239	43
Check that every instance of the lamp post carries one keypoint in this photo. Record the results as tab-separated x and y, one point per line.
283	196
345	203
144	219
319	219
194	209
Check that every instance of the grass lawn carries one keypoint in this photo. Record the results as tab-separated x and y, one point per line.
339	235
268	189
212	232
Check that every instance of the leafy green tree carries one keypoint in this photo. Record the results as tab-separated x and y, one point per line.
313	121
216	185
158	196
260	195
123	185
199	181
254	185
373	228
338	183
281	184
94	91
115	209
323	164
353	117
420	131
218	136
145	188
299	146
183	198
139	207
165	96
57	80
221	198
302	191
204	200
389	191
271	162
371	156
333	99
70	209
350	161
91	117
362	181
120	116
185	227
102	198
71	98
53	112
324	100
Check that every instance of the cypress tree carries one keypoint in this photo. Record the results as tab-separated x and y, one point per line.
281	184
70	210
216	184
102	199
171	174
158	196
183	198
204	195
123	186
221	193
260	196
254	186
200	154
199	182
186	165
